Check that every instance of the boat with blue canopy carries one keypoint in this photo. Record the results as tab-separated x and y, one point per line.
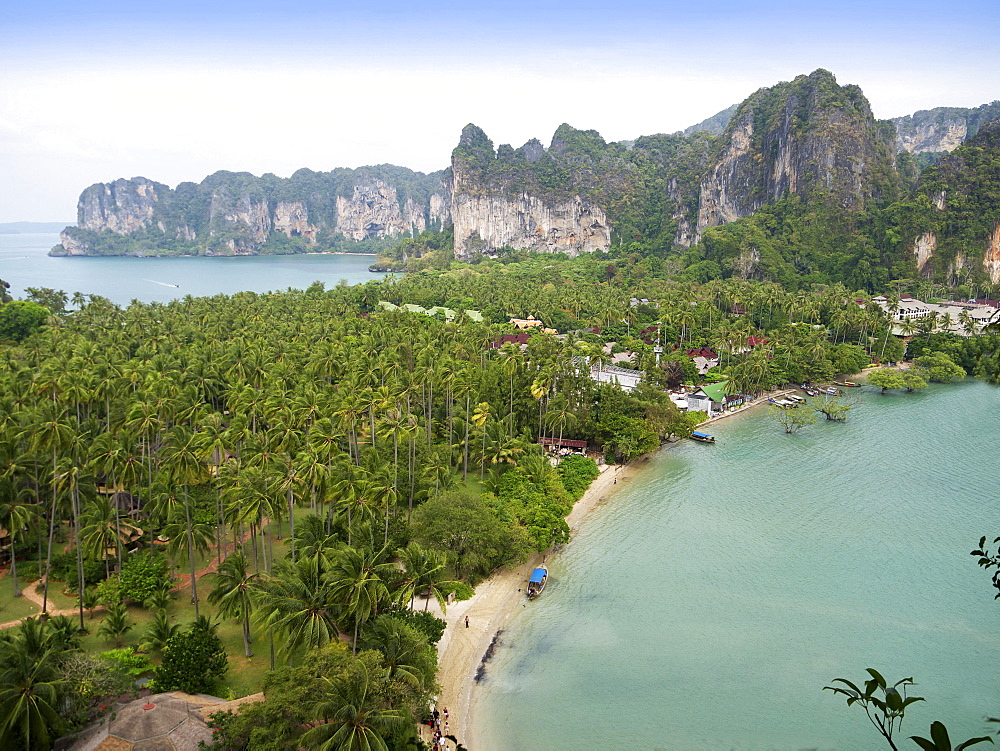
703	437
537	582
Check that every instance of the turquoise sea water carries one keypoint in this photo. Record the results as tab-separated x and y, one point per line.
706	606
24	263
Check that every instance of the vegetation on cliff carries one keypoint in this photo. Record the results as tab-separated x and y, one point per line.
236	212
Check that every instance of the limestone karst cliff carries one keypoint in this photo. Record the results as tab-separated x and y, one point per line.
238	213
806	136
494	207
942	128
960	196
798	180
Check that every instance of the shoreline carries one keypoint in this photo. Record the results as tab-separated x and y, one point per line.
461	649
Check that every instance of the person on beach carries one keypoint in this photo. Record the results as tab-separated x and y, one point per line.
466	621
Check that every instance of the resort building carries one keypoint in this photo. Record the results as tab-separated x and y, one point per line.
710	398
965	318
624	378
518	340
526	323
562	446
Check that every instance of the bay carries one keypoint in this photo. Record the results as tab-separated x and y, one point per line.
24	262
711	600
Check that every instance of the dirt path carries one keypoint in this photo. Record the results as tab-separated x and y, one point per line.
182	581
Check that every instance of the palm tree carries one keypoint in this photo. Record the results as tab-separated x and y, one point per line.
233	584
51	432
115	624
100	531
401	653
424	571
159	631
184	462
480	417
297	602
29	690
358	581
16	515
510	360
353	715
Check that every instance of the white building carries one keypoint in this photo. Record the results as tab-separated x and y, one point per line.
624	378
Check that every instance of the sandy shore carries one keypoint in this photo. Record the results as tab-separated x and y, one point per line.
496	600
461	649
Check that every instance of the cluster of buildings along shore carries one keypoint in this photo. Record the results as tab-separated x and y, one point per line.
962	317
909	315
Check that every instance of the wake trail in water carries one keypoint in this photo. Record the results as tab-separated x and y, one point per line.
163	284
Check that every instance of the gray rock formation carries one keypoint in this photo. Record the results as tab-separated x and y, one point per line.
806	135
942	128
240	214
486	222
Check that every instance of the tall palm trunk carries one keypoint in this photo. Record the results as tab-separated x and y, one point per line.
190	538
246	631
52	531
465	462
80	582
13	564
291	520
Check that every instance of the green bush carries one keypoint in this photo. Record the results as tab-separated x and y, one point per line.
126	659
142	575
27	571
576	473
461	590
425	622
64	570
109	591
192	662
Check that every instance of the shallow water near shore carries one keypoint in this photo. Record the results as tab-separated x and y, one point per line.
708	604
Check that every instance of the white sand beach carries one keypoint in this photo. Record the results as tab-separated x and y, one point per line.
461	649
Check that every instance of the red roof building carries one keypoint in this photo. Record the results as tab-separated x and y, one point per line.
515	339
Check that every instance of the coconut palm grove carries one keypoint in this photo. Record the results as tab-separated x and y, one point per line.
266	492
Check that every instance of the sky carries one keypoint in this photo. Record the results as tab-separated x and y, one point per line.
173	91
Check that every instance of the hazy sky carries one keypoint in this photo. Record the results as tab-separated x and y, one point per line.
92	91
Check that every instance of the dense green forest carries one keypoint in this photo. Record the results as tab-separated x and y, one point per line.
340	465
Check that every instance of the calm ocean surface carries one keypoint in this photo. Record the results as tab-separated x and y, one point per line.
708	604
24	263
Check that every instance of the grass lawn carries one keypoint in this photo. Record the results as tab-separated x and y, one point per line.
244	677
58	598
12	608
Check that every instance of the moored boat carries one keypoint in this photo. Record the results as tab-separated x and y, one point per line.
810	391
849	384
702	437
783	403
795	398
537	582
831	391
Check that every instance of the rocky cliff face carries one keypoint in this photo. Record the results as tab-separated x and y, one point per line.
374	210
122	207
238	213
809	135
991	257
962	215
941	129
923	250
525	222
497	201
